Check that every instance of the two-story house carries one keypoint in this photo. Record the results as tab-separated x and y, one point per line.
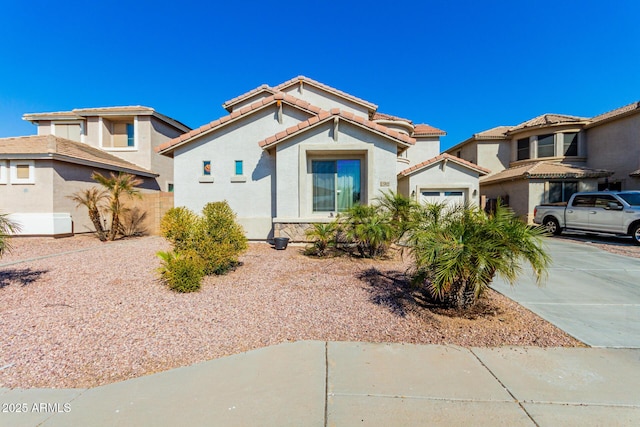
550	157
38	173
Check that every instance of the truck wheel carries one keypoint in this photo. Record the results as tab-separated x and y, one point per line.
635	234
552	225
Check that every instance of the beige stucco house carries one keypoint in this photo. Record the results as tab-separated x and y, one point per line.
302	152
38	173
130	132
550	157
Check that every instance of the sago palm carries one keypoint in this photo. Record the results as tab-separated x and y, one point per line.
458	255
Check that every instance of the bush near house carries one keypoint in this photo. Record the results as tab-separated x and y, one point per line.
7	228
458	251
202	245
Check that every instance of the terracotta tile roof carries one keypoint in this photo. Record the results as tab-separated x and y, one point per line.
66	150
497	132
328	115
543	169
228	105
547	120
424	129
209	127
307	80
383	116
441	157
614	114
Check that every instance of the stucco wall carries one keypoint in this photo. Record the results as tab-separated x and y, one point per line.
615	146
494	155
516	191
326	100
162	165
376	153
251	200
33	198
424	149
441	176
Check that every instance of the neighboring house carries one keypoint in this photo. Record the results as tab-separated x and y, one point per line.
550	157
302	152
130	133
38	174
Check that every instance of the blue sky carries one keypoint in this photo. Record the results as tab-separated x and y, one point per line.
462	66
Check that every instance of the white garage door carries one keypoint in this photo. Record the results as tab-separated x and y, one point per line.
450	197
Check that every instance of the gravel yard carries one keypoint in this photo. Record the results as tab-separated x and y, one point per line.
99	315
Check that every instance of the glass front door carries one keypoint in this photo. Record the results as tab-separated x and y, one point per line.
336	185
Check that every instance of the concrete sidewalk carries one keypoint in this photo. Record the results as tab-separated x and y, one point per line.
591	294
314	383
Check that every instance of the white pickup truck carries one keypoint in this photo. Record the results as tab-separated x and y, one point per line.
614	212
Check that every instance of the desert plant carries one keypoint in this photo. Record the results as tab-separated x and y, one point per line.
402	211
117	186
322	236
213	241
132	223
458	251
93	199
369	228
7	228
182	272
176	226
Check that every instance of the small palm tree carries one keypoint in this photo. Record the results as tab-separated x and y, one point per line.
93	199
117	185
7	228
322	236
402	210
458	252
369	227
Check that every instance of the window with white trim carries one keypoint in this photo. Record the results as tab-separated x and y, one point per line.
22	172
121	134
3	172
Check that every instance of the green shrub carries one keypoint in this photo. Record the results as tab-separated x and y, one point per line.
369	228
212	242
181	272
323	237
176	226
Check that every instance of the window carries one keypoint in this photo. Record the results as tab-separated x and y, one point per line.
570	144
67	130
206	167
602	201
632	198
122	135
170	187
336	185
523	149
22	172
546	146
239	167
562	191
3	172
584	201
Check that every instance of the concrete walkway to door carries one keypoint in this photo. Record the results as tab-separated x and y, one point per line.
591	294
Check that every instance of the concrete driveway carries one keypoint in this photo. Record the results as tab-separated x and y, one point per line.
591	294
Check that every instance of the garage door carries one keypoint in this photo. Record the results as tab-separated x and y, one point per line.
449	197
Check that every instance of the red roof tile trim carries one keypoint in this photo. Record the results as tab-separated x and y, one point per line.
237	99
291	100
427	130
330	89
335	112
441	157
